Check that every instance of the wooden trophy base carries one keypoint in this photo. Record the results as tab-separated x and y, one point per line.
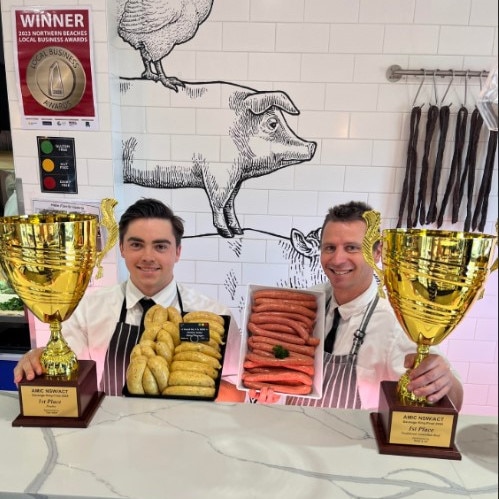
420	431
60	402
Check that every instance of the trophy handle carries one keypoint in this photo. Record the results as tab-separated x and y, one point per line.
373	221
495	264
109	222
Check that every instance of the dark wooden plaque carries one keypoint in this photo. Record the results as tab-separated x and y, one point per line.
50	401
421	431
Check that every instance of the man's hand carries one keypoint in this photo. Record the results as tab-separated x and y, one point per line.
434	379
28	366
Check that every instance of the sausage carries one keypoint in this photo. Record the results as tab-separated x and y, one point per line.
190	378
164	337
295	326
149	382
164	351
312	305
280	307
198	357
251	367
306	321
282	294
187	365
313	341
286	389
189	391
173	330
267	320
291	360
192	346
263	353
174	315
303	349
260	331
157	314
203	316
134	374
279	376
159	369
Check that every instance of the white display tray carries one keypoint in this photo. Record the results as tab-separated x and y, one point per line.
318	332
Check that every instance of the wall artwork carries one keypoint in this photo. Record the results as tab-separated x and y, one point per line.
255	138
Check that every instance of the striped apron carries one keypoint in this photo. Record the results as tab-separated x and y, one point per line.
124	338
340	388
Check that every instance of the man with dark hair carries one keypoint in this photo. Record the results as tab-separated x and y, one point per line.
364	343
105	325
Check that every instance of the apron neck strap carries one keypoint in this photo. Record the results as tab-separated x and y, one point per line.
358	338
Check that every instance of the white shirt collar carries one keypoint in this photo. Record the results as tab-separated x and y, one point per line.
166	297
348	309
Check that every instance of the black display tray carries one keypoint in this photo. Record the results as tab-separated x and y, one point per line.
218	379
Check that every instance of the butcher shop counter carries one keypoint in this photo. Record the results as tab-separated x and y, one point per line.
147	449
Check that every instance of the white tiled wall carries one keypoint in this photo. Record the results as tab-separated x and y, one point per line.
331	57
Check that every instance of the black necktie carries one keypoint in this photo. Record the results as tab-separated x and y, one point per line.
146	303
331	336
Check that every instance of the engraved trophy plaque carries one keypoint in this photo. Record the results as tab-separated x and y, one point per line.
432	278
49	260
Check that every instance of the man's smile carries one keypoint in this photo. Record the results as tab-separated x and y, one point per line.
340	272
148	269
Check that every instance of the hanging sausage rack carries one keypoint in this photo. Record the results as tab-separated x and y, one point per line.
395	72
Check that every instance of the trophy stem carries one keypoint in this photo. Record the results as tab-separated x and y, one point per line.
405	396
57	358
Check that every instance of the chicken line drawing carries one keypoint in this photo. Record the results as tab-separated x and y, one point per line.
155	27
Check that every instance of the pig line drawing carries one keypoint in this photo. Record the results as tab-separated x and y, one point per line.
303	253
155	27
262	142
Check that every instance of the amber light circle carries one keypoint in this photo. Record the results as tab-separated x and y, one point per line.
48	165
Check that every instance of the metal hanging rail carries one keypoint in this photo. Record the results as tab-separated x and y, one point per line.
395	72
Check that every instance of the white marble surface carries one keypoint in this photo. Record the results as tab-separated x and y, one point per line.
146	448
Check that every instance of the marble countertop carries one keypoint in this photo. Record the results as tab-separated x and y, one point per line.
148	449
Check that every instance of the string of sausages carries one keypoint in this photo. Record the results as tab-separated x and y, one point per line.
462	173
431	216
456	164
485	186
411	166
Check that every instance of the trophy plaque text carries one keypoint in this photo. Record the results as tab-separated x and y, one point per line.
432	278
427	431
72	399
48	260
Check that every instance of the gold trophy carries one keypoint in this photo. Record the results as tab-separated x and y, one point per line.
432	278
48	260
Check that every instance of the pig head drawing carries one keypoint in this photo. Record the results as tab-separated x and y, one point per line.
261	142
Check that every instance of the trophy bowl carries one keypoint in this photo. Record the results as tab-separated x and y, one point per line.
49	260
432	278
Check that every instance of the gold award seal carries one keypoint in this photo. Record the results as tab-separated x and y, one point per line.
56	78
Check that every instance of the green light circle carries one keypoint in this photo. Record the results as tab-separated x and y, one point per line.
46	146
